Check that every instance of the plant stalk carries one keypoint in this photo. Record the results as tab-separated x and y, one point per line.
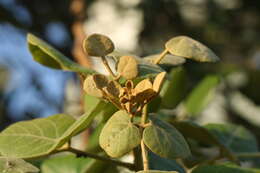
103	58
144	152
80	153
161	56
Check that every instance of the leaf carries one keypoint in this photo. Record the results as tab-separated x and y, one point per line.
127	67
46	55
170	60
14	165
156	171
158	81
143	85
28	139
147	70
158	163
196	132
119	136
233	137
202	94
39	137
174	89
98	45
66	163
164	140
224	168
91	88
187	47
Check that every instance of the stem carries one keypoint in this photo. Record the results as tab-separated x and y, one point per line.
108	67
144	156
144	115
80	153
161	56
248	155
144	152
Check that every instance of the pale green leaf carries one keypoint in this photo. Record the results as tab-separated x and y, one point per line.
66	164
174	89
189	48
202	95
38	137
46	55
168	59
164	140
119	136
14	165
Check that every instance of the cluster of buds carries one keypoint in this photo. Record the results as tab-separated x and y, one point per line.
124	96
128	97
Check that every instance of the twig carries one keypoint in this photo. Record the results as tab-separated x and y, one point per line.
161	56
144	152
80	153
108	67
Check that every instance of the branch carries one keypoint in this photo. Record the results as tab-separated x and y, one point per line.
144	152
161	56
80	153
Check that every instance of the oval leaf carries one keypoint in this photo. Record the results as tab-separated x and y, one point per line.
119	136
147	69
14	165
91	88
187	47
164	140
66	163
46	55
35	137
174	89
98	45
127	67
201	95
41	136
170	60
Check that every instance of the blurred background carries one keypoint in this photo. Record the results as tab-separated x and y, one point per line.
229	27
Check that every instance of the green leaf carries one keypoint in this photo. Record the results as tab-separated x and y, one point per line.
196	132
158	163
156	171
46	55
119	136
224	168
14	165
187	47
33	138
69	163
164	140
38	137
169	60
201	95
66	163
233	137
98	45
174	89
147	70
